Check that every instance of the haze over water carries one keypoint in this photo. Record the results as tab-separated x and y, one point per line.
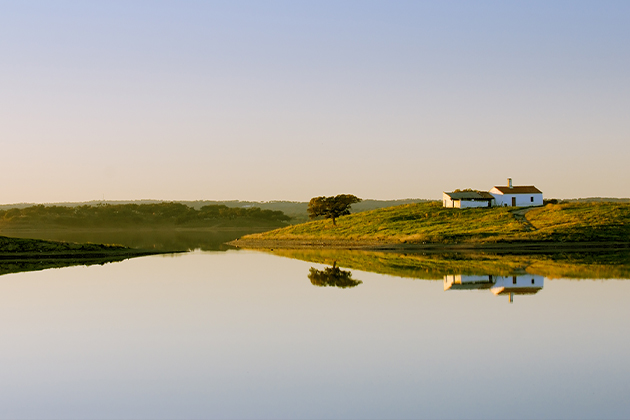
244	334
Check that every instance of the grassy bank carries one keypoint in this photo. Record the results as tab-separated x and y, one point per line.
430	223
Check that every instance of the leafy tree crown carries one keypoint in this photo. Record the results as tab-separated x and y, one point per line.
331	207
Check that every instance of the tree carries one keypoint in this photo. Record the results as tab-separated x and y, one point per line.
332	277
331	207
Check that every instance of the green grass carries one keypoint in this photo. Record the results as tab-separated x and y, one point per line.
432	223
581	222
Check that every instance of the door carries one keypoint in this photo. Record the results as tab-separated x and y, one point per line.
513	201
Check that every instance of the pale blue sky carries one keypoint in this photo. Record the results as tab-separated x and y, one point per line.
285	100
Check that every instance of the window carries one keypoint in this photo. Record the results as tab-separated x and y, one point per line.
513	279
531	199
532	281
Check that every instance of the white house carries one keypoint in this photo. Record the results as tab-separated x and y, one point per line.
517	196
467	199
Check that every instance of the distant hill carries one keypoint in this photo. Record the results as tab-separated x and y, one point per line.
296	210
139	215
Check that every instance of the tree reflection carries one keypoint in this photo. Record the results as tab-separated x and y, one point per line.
333	277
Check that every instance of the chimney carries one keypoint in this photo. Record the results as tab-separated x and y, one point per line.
510	182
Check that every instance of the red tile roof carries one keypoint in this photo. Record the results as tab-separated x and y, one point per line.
530	189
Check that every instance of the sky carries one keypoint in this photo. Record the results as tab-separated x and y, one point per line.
286	100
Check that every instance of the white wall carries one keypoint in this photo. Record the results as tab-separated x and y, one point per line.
470	204
522	200
446	200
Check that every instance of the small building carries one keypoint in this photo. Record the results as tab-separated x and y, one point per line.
517	196
467	199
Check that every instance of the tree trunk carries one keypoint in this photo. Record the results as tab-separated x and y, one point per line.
334	224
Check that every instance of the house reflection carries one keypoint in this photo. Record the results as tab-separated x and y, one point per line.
520	284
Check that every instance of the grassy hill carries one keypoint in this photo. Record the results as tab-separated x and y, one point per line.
431	223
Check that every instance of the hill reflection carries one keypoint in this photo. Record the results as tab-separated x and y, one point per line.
606	265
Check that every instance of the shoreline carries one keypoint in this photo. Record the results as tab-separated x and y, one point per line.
9	232
24	249
494	247
79	254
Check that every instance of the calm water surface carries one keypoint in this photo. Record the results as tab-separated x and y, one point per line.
245	334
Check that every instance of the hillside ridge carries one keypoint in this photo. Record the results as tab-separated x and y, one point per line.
431	224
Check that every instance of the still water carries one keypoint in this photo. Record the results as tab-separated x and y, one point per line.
248	334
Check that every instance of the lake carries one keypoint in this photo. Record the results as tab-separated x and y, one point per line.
318	334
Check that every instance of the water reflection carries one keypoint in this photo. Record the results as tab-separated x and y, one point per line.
24	265
523	284
603	265
197	335
332	277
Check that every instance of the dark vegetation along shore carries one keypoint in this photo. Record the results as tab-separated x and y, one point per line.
17	254
157	215
295	210
431	226
164	226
